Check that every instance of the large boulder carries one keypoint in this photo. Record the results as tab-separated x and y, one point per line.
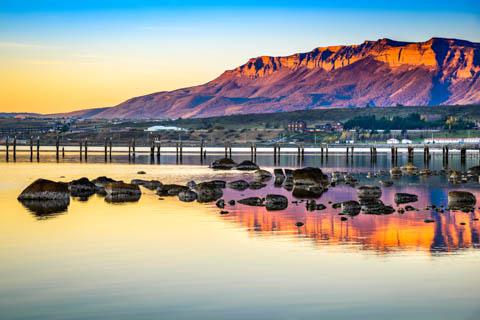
247	165
279	176
240	185
149	184
369	192
208	192
251	201
42	189
401	198
223	164
310	176
276	202
171	189
461	200
262	175
82	188
187	196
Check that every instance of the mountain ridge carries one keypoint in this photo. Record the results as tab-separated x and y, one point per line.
380	73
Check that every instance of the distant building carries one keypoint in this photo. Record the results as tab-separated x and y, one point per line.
327	127
406	141
393	141
165	128
451	140
297	126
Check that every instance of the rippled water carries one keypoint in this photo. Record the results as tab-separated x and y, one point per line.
164	259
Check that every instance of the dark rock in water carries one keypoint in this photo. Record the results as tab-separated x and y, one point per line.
311	205
119	189
288	173
122	197
410	208
191	184
240	185
212	184
247	165
299	224
82	188
369	192
401	210
251	201
149	184
187	196
310	176
101	182
223	164
220	203
321	206
462	223
461	200
336	205
474	170
256	185
405	198
377	207
46	208
262	175
428	220
288	184
308	192
171	189
279	176
224	212
208	192
42	189
276	202
386	183
343	218
141	172
231	202
351	208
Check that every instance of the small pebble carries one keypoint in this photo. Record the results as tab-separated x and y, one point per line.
299	224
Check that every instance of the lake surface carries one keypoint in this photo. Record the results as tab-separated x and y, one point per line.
165	259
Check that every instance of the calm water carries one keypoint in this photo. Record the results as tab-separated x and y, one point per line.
164	259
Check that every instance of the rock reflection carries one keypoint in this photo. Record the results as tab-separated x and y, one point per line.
44	209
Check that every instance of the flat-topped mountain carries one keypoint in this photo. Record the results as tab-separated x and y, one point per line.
374	73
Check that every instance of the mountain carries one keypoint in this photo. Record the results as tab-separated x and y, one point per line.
375	73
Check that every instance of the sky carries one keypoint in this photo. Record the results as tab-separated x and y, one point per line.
59	56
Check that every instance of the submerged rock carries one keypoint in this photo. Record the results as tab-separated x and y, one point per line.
461	200
276	202
351	207
279	176
256	185
187	196
369	192
42	189
149	184
247	165
208	192
223	164
251	201
262	175
405	198
310	176
171	189
238	185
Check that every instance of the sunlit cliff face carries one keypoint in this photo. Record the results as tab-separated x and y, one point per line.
451	231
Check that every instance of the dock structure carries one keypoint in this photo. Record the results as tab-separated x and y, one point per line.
12	146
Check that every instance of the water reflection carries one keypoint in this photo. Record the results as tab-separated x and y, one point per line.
46	209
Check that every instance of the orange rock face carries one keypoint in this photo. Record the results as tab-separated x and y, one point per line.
375	73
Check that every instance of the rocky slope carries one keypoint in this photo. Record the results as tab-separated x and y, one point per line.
374	73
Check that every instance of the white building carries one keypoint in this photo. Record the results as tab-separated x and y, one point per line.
393	141
452	140
406	141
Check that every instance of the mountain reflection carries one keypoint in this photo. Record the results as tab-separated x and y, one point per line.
450	231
